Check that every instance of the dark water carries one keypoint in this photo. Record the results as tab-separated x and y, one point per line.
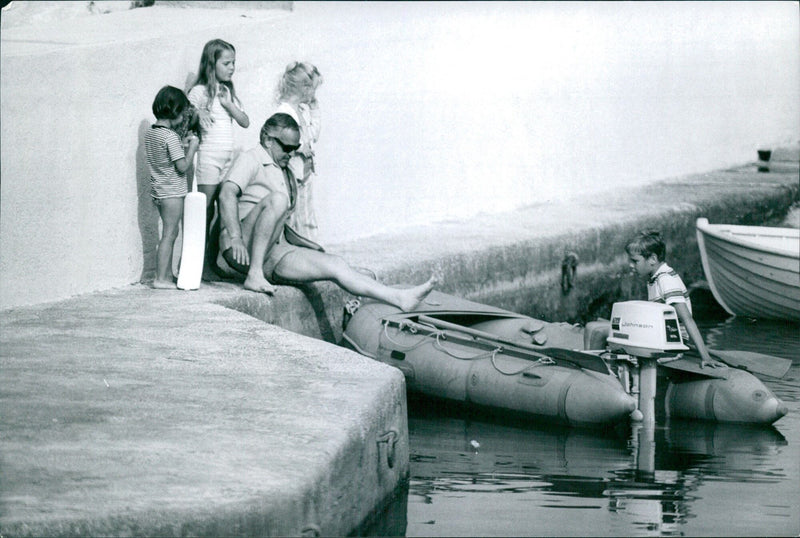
477	476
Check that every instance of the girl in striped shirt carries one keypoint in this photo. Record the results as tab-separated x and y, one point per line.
218	106
168	164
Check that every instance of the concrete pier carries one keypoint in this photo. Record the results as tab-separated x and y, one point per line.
145	413
134	411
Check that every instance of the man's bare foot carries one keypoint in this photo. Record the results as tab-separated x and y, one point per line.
410	298
164	285
254	283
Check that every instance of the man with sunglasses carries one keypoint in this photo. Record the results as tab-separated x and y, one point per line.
255	200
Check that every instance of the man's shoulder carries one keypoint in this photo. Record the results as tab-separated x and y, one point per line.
254	155
245	166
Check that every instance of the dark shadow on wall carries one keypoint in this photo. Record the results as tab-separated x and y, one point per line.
312	293
147	212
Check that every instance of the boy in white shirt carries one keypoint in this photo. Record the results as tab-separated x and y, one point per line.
646	253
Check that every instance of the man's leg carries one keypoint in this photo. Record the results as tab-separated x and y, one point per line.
306	265
261	229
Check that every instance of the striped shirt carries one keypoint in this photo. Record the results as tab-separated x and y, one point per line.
218	137
163	147
665	286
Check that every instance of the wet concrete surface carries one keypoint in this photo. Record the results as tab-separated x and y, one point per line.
143	412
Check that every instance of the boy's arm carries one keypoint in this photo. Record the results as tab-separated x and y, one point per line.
694	333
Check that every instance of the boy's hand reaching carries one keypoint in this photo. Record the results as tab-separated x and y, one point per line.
694	333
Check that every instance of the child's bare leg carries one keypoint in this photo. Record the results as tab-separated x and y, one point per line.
212	241
211	192
171	211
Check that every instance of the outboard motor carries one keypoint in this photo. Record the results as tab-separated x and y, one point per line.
647	331
648	335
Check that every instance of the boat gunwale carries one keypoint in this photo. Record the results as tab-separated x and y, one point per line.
713	230
729	300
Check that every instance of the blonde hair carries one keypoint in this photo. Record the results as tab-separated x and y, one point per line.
296	81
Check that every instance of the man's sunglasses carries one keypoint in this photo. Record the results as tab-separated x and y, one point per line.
287	148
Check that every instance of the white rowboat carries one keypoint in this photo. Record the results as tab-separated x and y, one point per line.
752	271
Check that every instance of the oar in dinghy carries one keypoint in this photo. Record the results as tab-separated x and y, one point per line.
757	363
578	358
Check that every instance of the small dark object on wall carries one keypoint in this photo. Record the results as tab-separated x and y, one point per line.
764	156
569	266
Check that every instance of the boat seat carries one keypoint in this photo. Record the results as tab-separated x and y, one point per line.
595	335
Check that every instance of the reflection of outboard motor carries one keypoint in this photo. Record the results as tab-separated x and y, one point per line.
649	333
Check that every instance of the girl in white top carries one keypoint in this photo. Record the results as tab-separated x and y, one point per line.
214	96
296	96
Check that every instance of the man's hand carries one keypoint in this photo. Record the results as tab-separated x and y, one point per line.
239	251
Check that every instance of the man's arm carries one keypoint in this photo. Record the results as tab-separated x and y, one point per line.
694	333
229	213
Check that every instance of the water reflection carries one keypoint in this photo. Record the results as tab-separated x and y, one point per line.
779	338
642	481
474	474
672	462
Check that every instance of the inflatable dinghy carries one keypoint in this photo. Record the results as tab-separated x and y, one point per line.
480	355
445	351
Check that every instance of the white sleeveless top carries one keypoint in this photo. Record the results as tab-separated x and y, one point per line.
219	137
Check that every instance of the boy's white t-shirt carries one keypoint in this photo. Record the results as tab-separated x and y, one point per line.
666	286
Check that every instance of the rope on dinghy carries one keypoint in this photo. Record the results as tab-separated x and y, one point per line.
438	336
